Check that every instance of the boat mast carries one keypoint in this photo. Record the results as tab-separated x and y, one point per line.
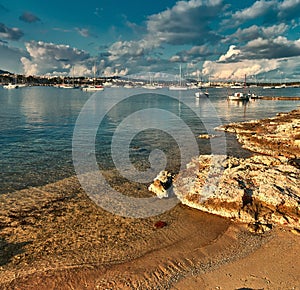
245	84
94	70
180	75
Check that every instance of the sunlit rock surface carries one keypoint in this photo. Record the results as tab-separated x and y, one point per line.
278	136
260	190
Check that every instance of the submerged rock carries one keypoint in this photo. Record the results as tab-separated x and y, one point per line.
207	136
260	190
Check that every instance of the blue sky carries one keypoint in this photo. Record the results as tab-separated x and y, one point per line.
216	39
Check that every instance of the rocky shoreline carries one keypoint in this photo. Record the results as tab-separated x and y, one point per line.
262	190
278	136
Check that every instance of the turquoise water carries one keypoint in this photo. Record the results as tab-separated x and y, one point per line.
37	124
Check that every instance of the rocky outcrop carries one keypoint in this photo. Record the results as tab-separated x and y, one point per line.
260	190
278	136
207	136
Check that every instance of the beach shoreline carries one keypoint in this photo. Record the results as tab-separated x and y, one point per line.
55	237
48	256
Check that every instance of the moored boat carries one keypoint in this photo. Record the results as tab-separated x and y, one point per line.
238	96
93	88
10	86
178	87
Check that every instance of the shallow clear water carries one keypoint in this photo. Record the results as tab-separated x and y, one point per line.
37	124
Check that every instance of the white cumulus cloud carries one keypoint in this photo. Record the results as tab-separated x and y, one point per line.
49	57
232	52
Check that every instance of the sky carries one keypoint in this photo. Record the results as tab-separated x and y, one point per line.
210	39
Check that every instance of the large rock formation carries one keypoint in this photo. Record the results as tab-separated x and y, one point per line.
260	190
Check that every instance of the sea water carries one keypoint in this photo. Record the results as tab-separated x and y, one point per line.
37	126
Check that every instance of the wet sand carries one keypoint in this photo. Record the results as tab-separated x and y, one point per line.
275	265
55	237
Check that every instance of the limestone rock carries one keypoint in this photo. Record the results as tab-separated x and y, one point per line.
207	136
259	190
161	184
278	136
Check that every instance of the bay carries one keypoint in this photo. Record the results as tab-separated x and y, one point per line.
37	126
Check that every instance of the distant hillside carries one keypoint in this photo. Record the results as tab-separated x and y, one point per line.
4	72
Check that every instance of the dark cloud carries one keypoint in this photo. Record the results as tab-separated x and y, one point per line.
10	58
279	47
193	55
29	17
265	11
263	48
254	32
288	10
186	23
104	54
10	33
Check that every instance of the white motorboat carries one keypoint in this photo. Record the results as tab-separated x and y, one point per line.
93	88
66	86
177	88
238	96
10	86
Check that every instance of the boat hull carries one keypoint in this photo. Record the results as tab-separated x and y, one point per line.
178	88
10	86
92	89
238	97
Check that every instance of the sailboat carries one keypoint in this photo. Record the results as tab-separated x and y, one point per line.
94	87
150	85
178	87
239	96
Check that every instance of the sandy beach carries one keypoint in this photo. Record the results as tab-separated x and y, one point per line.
55	237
